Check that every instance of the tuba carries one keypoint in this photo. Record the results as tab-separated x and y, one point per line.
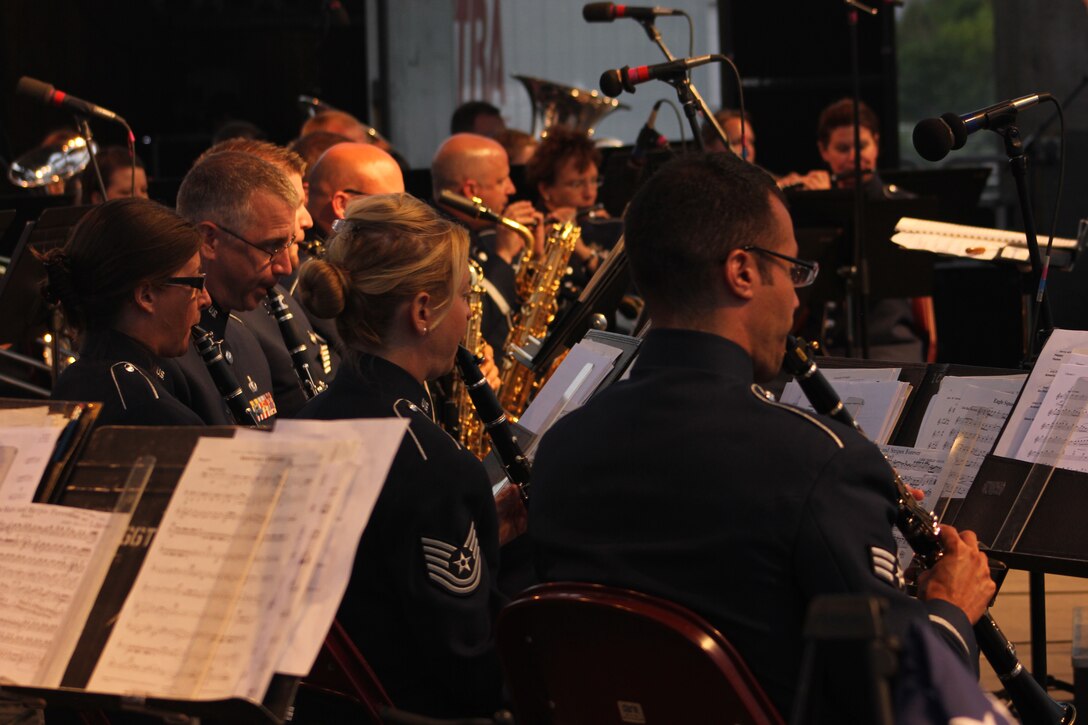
538	283
555	104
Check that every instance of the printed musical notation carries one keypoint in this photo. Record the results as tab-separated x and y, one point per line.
921	469
24	455
45	553
1058	435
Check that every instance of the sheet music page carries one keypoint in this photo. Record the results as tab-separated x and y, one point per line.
972	434
368	465
920	469
876	406
946	403
587	364
1058	435
174	620
24	456
46	553
1060	345
34	417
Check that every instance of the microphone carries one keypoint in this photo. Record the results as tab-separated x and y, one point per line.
616	81
648	139
50	96
935	137
607	12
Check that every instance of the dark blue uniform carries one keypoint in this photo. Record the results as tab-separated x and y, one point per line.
128	379
286	389
421	598
501	302
196	388
688	482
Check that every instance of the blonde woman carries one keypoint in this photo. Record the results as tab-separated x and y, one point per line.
421	599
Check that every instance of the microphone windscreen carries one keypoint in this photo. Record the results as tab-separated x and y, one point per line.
932	139
599	12
957	127
34	88
611	83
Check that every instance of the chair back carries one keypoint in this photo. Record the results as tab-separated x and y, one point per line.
578	653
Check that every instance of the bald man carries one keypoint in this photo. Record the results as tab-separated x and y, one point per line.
345	172
473	165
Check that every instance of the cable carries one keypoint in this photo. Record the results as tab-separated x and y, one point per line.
679	122
1054	219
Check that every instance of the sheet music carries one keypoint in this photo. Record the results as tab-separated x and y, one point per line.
944	406
876	406
171	637
1058	435
960	240
583	369
920	469
35	417
46	553
24	456
1060	345
860	375
332	565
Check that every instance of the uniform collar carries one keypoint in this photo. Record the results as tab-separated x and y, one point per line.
117	345
214	319
703	351
391	379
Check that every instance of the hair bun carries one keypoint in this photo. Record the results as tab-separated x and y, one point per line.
323	287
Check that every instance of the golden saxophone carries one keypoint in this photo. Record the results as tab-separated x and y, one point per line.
470	430
538	283
476	209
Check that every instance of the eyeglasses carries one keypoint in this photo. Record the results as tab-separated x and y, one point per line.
802	272
577	184
195	283
272	253
354	192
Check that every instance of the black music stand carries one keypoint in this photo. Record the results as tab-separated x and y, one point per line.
956	189
24	314
99	478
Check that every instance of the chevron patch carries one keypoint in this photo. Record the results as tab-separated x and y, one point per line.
455	568
886	567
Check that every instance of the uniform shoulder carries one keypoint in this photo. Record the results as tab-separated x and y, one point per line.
822	428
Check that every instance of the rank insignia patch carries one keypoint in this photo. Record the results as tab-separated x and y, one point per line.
886	567
454	568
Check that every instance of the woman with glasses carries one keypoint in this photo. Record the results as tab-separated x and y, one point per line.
565	173
421	598
129	283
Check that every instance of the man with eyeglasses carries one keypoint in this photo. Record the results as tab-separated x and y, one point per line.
246	212
690	482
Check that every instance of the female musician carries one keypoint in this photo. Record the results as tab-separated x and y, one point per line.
129	282
564	171
421	599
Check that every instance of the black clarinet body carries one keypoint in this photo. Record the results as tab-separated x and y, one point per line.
211	352
491	413
921	530
296	344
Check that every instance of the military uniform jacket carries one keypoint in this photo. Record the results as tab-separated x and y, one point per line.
421	599
197	389
127	378
286	388
688	483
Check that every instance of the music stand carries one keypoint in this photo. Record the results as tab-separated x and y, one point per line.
956	189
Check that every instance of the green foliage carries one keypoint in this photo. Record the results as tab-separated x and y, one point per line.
946	57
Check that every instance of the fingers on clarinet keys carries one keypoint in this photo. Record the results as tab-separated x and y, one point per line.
962	576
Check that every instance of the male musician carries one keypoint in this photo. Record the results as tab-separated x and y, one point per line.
246	210
688	481
476	166
292	385
345	172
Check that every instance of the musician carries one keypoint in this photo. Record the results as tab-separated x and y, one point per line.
744	145
689	482
475	166
421	598
115	165
479	117
129	281
345	172
246	211
288	391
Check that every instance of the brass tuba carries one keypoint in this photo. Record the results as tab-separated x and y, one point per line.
555	104
538	283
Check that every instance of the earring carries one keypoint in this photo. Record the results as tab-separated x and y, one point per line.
425	330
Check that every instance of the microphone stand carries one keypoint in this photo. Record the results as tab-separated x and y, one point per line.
84	129
856	274
686	91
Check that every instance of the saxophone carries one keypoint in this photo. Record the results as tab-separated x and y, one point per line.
538	285
470	430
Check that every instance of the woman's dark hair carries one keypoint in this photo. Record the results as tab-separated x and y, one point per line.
559	145
117	246
110	159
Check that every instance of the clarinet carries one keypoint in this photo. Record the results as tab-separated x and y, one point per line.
920	528
296	344
211	352
512	458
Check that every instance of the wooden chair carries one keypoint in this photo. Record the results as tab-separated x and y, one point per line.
577	653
